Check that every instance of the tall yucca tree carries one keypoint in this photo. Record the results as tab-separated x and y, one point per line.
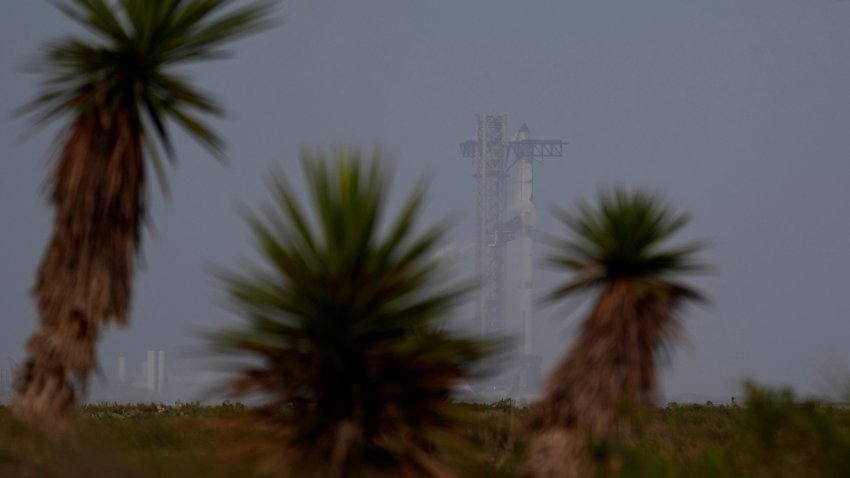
618	251
117	89
344	324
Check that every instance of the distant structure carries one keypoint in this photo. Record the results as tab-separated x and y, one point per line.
7	380
153	371
122	370
504	226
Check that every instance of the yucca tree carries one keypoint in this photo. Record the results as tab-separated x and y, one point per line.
344	324
618	252
117	91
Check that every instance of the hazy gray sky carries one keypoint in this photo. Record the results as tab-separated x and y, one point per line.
737	110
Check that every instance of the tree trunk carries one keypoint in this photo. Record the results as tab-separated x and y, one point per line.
85	278
554	453
608	370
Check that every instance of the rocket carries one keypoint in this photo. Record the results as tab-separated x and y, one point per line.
524	218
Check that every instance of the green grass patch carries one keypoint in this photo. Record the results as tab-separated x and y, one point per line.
773	436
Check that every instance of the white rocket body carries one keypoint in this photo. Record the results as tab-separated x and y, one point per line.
524	213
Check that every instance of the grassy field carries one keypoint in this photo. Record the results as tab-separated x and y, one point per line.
772	436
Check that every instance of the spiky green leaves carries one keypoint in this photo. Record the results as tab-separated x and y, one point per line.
345	318
126	62
624	236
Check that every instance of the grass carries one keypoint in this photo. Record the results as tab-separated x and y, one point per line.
773	435
143	440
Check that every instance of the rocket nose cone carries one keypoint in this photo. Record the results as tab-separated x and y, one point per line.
523	128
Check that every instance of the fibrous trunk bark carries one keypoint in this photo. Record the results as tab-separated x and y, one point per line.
610	368
85	277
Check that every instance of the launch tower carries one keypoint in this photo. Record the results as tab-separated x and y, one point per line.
504	227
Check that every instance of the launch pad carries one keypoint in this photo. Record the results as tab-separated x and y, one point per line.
504	226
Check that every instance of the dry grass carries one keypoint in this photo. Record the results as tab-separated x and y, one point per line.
770	437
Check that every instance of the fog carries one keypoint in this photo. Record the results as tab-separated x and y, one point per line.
735	111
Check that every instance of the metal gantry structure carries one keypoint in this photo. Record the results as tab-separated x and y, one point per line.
490	154
505	225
